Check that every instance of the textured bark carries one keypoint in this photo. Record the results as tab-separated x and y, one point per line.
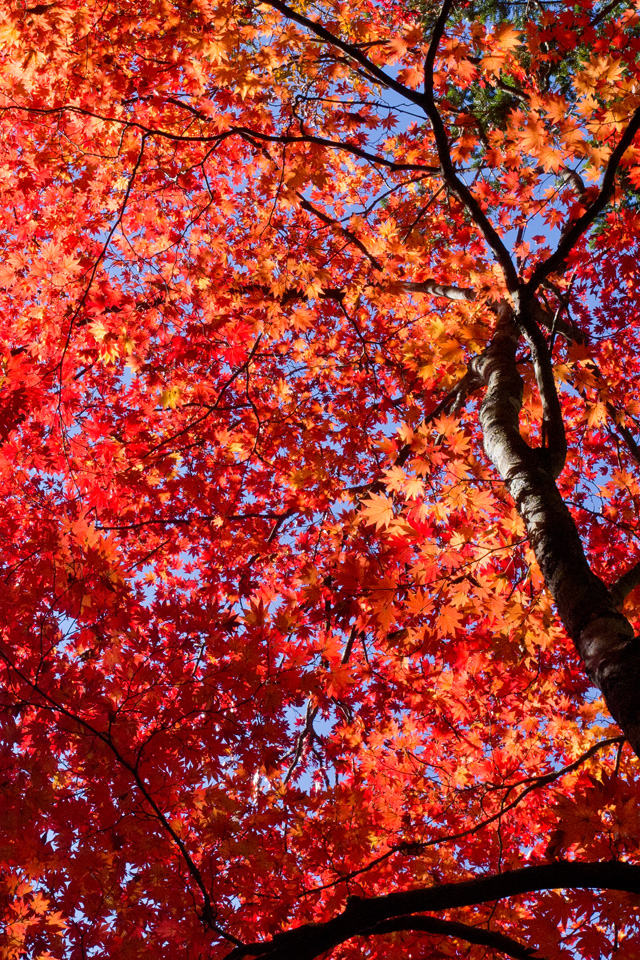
437	289
623	587
603	637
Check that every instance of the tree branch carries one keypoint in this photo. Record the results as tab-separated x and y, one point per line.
553	432
306	732
460	189
624	585
435	289
250	135
569	238
532	783
208	910
351	237
361	915
351	50
603	637
461	931
246	133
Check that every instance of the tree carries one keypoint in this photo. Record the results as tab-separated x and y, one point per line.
319	471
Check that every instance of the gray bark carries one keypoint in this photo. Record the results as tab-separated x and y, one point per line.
603	637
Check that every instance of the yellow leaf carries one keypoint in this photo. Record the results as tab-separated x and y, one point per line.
397	47
377	510
170	396
413	488
448	621
412	77
394	479
596	414
505	37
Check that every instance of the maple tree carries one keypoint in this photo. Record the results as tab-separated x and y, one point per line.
319	464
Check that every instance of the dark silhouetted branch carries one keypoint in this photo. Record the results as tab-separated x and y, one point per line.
361	915
461	931
570	237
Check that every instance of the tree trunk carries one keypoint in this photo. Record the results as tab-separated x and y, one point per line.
603	637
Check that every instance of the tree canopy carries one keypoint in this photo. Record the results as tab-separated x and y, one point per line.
320	479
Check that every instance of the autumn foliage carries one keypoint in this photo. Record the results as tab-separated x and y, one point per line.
320	479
